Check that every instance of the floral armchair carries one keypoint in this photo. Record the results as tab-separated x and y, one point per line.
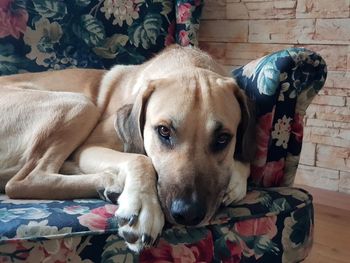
274	223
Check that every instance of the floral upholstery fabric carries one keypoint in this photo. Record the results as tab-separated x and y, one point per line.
269	224
281	85
40	35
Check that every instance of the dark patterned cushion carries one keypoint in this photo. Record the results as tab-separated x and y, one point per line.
268	224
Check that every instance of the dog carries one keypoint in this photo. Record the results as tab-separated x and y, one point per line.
168	139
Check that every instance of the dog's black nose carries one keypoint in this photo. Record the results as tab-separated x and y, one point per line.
187	212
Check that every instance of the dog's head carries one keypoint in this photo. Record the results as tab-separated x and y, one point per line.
192	125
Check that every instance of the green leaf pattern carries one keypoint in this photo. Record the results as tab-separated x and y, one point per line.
89	29
50	8
111	46
82	2
146	32
115	250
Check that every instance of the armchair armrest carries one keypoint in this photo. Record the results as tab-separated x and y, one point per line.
282	85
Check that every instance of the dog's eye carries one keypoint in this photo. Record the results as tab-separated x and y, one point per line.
221	141
164	132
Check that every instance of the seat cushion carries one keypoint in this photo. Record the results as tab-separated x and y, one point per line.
269	224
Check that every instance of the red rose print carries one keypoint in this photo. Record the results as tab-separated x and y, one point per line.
257	227
97	219
184	40
13	22
201	251
269	175
184	12
263	132
236	252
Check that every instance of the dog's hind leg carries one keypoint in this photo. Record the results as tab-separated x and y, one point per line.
52	143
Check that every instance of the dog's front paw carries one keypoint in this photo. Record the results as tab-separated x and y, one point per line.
237	187
140	218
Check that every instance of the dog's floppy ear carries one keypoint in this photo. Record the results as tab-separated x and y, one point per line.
130	121
245	138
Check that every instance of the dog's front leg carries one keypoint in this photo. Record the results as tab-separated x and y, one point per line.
237	187
139	214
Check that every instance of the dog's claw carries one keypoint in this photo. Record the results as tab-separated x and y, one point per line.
224	199
133	220
155	243
101	193
122	221
227	200
146	239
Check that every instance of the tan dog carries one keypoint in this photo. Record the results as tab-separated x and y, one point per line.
174	123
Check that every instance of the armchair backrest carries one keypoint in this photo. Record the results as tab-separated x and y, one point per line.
40	35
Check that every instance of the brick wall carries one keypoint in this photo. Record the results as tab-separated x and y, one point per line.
238	31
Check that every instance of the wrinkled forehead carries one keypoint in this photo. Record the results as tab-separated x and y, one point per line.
202	99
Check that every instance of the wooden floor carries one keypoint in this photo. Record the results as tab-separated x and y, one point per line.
332	227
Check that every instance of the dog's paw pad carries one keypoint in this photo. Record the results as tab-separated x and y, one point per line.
138	242
130	237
